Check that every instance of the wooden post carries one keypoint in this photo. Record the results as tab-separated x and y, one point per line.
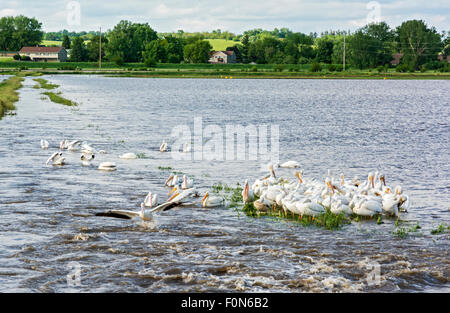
100	50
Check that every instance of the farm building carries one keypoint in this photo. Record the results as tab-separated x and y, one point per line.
222	57
45	54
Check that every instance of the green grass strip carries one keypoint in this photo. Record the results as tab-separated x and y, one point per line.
44	84
55	97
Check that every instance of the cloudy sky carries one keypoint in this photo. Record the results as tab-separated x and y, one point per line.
234	15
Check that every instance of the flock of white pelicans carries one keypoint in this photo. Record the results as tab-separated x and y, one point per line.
297	195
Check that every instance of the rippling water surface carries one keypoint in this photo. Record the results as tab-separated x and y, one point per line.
352	126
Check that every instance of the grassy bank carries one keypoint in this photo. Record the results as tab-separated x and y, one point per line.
8	94
55	97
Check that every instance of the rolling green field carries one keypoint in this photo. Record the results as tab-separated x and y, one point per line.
56	42
221	44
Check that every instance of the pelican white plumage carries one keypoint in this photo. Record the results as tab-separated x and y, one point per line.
367	207
212	201
186	147
86	159
44	144
56	159
187	182
87	149
290	164
182	197
128	156
163	147
172	181
107	166
151	200
74	145
247	193
63	144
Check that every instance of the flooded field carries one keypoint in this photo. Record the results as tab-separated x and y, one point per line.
48	217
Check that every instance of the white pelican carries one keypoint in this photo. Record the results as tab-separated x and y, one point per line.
107	166
366	207
74	145
128	156
172	181
44	144
212	201
182	197
290	164
187	183
310	208
186	147
163	147
86	159
262	204
151	200
87	149
390	204
102	151
247	194
64	144
56	159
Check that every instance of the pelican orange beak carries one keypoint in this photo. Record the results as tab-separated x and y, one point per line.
173	196
371	180
299	177
388	190
204	198
272	172
173	190
168	180
342	180
331	186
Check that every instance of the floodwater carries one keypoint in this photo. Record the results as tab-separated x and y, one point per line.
48	229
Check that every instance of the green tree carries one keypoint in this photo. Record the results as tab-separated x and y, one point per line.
324	50
17	32
93	48
78	52
156	50
197	52
66	42
128	40
418	43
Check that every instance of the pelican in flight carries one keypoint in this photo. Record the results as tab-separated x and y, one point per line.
163	147
56	159
86	159
44	144
144	215
107	166
128	156
212	201
151	200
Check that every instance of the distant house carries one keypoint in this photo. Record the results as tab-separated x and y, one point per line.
45	54
222	57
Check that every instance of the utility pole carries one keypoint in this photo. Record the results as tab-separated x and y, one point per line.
100	50
343	57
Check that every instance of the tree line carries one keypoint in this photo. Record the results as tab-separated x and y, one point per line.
368	47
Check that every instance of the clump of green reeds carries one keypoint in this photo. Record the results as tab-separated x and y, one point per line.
442	228
8	94
43	83
55	97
